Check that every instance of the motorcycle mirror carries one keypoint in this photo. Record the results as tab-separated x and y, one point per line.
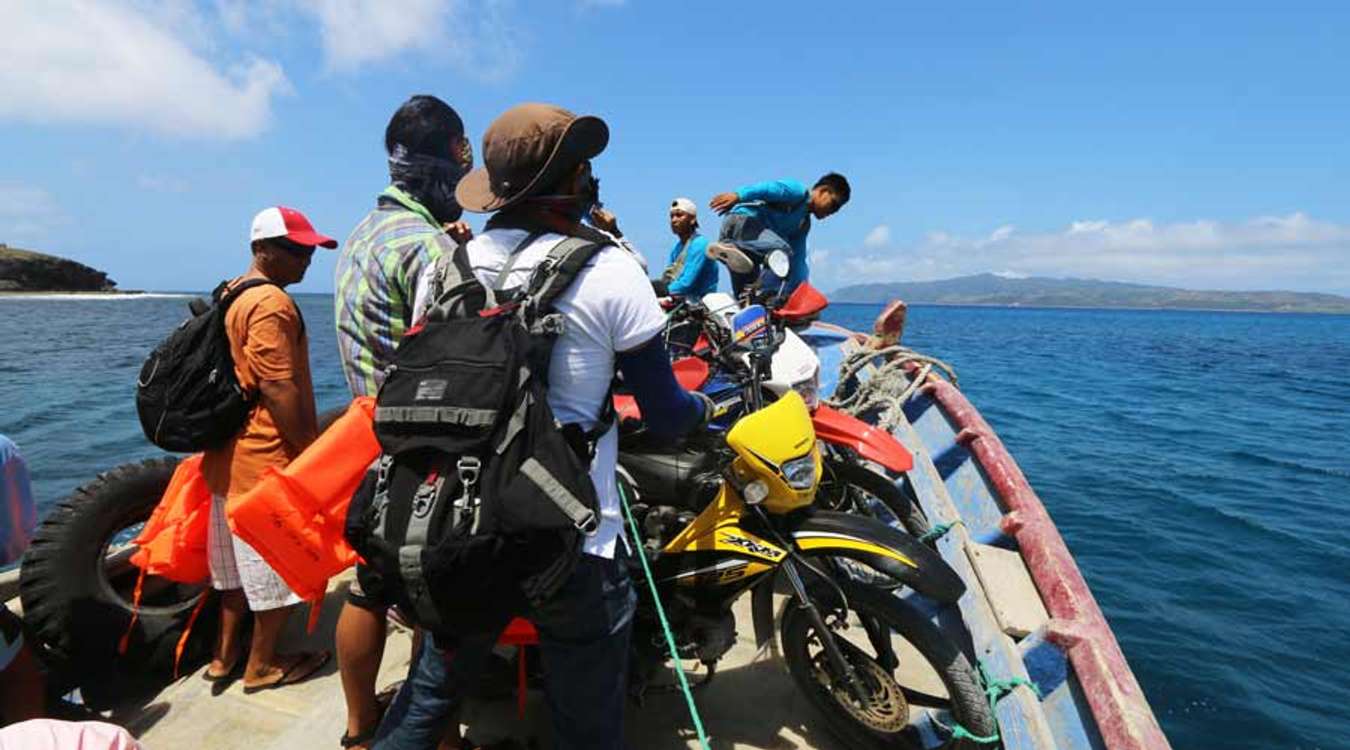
779	263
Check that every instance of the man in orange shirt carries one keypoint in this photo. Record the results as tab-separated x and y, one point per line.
271	359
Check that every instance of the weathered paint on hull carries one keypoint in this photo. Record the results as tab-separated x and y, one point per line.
963	475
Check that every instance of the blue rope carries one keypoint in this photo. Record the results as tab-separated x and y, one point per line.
665	624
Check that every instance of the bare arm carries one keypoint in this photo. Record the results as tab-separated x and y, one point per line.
294	420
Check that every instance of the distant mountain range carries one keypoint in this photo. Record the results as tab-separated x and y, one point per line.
1034	291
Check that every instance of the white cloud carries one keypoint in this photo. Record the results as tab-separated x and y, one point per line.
358	32
1290	252
182	67
880	236
473	36
27	212
98	61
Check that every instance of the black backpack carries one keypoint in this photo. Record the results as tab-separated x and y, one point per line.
481	500
187	395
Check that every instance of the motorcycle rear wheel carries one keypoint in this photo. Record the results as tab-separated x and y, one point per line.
932	672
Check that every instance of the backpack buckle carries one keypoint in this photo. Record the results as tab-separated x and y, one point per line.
469	468
590	525
550	325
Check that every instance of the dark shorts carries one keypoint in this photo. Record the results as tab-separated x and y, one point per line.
368	590
11	637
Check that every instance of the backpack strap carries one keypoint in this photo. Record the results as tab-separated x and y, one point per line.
499	284
452	273
556	272
224	295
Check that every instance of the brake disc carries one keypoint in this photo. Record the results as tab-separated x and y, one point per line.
886	710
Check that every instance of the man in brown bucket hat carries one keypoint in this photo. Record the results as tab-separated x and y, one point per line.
538	183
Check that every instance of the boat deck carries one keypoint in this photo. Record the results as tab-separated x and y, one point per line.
751	703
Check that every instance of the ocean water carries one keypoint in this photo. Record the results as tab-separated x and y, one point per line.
1196	464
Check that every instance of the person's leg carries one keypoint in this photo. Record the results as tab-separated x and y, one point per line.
271	602
749	235
359	640
225	656
22	688
432	693
583	637
262	653
225	579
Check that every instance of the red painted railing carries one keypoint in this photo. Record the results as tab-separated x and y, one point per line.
1123	716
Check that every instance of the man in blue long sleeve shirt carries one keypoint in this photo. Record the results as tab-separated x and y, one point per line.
689	273
776	215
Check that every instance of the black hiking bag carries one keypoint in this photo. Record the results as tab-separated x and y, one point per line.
187	395
481	501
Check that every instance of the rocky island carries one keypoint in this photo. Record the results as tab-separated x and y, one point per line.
29	271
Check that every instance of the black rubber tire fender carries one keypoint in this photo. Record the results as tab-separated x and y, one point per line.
968	702
78	605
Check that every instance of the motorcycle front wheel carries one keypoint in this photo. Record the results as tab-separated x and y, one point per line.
904	662
849	487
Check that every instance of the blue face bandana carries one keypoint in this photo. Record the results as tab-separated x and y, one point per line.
431	180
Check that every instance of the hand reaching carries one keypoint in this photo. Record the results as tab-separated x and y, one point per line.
459	231
723	202
606	220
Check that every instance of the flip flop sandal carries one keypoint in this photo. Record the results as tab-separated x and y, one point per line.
383	700
300	670
229	674
363	738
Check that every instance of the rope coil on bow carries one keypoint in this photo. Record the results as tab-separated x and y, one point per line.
890	385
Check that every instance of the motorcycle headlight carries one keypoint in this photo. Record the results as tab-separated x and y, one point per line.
800	473
809	389
756	492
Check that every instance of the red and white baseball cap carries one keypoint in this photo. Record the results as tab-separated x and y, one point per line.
280	221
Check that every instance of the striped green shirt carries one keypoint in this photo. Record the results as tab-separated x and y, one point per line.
376	276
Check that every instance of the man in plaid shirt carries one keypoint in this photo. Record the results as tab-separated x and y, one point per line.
414	221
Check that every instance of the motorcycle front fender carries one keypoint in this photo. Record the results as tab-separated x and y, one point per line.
871	542
882	548
872	443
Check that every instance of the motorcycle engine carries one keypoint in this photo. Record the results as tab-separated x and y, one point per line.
710	637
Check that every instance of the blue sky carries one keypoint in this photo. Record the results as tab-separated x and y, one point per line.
1203	147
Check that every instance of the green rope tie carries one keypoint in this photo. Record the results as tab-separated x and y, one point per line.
994	691
665	624
961	733
937	532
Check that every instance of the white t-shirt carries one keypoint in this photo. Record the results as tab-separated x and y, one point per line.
610	307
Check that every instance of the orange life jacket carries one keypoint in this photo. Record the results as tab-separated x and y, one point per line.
172	544
294	517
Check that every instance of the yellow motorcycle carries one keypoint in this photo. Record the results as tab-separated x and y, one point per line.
863	655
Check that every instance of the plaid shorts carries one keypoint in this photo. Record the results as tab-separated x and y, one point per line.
236	565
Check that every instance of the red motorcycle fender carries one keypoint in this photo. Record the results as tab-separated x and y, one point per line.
872	443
